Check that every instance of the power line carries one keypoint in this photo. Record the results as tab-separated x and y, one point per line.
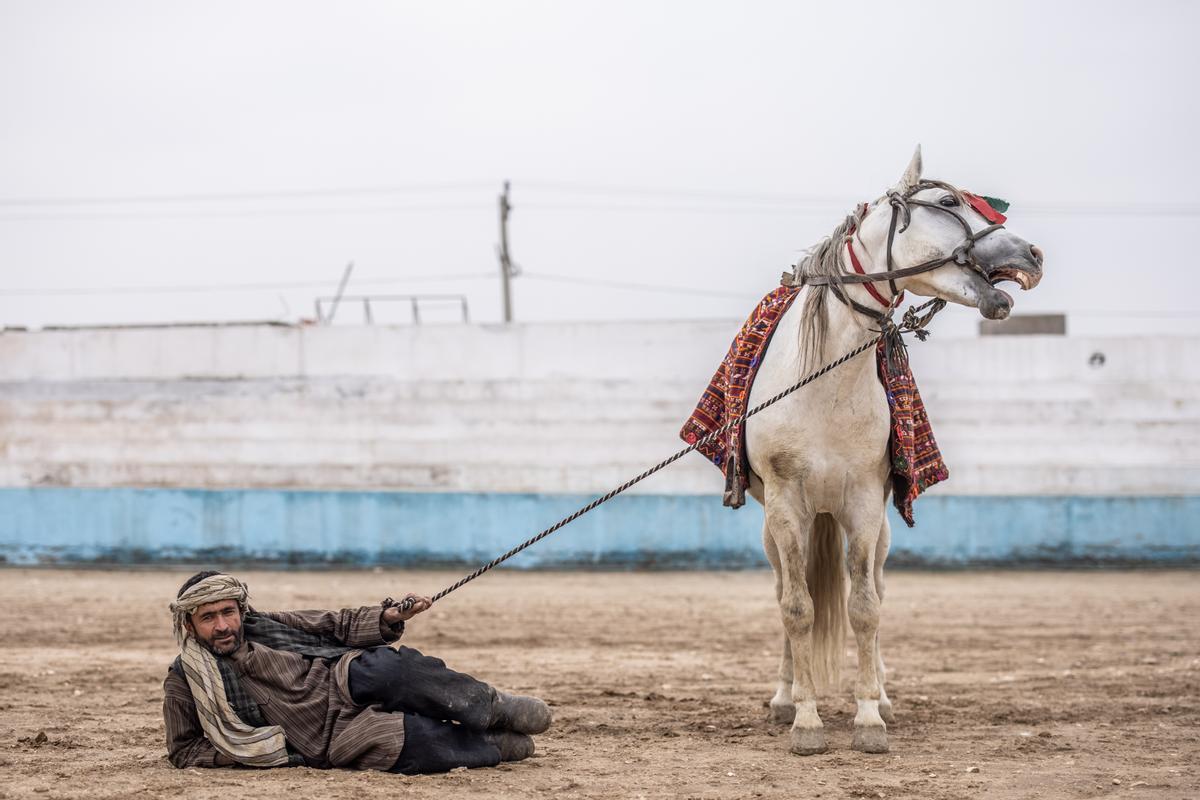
284	212
209	197
232	287
241	213
1129	210
1107	209
658	207
824	207
545	186
797	209
630	191
641	287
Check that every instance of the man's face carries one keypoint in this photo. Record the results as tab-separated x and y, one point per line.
218	626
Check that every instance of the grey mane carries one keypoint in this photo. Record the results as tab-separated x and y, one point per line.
822	260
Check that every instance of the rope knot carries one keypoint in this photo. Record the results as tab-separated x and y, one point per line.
915	322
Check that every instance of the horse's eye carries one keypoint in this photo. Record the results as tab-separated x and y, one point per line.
949	201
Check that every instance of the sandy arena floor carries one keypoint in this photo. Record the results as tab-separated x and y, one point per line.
1006	685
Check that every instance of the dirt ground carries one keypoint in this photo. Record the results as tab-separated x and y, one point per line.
1006	685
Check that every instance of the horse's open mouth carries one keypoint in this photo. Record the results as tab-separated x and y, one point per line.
1021	277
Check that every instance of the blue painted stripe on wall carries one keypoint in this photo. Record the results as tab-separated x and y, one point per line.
44	525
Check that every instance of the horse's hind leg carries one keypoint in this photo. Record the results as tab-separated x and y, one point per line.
783	710
863	528
881	552
789	530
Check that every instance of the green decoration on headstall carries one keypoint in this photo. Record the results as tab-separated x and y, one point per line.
996	203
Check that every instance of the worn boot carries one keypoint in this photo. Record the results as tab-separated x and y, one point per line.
512	746
518	713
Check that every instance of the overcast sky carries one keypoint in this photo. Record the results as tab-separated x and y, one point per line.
243	153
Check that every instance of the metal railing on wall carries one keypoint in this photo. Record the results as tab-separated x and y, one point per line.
415	302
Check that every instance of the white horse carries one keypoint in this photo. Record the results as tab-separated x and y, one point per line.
819	459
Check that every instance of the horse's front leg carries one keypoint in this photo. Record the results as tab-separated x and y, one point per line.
788	528
863	521
881	552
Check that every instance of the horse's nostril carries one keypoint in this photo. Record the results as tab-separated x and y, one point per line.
1036	252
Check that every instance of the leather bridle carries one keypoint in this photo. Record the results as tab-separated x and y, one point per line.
901	204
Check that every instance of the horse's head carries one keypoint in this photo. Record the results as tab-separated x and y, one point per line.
946	243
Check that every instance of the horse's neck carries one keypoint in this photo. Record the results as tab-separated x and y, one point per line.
846	329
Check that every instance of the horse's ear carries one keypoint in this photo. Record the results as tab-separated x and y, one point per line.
912	175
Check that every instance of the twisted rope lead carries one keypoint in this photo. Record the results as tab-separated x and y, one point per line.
910	323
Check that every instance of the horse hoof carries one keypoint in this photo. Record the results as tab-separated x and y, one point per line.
783	714
808	741
870	739
885	711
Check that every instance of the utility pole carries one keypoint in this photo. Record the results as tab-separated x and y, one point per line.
507	270
338	297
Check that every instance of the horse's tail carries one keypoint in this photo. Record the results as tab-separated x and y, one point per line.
826	576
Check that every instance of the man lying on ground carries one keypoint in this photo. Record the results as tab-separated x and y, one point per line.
323	689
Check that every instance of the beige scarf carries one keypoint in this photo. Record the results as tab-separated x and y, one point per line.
254	747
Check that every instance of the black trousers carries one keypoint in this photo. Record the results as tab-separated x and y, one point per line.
445	712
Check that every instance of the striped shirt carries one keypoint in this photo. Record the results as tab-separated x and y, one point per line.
307	695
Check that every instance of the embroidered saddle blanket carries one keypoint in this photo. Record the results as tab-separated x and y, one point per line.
916	462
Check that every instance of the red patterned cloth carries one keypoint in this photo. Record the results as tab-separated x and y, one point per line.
916	461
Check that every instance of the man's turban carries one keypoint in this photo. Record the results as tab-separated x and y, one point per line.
210	590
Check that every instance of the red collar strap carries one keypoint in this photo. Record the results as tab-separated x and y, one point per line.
870	287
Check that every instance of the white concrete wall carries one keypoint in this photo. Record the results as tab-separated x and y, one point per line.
557	408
